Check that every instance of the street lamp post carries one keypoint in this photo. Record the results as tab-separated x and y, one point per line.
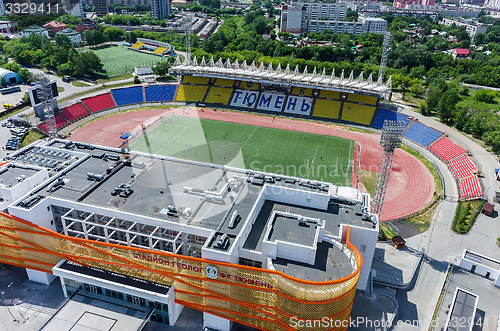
2	293
12	289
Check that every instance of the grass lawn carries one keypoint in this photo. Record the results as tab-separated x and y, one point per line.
77	83
369	180
277	151
118	60
31	137
465	215
470	102
60	89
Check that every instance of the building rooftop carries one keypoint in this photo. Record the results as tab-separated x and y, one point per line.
220	204
68	32
12	174
34	28
330	264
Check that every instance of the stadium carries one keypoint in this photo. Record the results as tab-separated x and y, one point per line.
181	210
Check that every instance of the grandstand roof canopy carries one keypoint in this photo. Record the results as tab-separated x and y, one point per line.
277	76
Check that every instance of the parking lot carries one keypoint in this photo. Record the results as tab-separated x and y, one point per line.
18	128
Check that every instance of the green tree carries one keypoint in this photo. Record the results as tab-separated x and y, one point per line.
485	95
25	76
447	104
161	69
62	40
137	80
416	88
432	100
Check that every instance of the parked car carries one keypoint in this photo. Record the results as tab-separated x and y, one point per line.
66	79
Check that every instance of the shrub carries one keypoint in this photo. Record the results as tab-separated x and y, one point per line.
487	96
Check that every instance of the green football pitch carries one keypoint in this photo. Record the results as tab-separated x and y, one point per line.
283	152
117	60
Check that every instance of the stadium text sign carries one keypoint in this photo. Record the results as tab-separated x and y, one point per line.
211	271
272	101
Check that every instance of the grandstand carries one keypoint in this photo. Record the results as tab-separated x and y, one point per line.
218	95
191	93
74	112
383	114
128	96
152	47
469	187
327	109
356	113
99	102
160	93
446	150
421	134
463	167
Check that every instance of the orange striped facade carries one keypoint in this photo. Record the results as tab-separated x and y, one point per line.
261	298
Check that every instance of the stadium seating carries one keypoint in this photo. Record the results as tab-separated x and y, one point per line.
195	80
384	114
421	134
60	122
99	102
224	82
446	150
361	98
326	108
249	85
158	93
191	93
329	94
137	45
357	113
469	187
128	96
462	167
219	95
160	50
302	91
74	112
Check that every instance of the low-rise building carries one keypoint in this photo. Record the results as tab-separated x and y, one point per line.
53	27
34	29
86	24
9	27
74	36
460	53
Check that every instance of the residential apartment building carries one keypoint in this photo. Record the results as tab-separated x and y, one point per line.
472	27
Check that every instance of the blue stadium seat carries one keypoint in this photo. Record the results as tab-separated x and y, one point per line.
421	134
158	93
384	114
127	96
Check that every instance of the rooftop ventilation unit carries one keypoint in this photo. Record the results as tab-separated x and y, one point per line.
234	219
223	242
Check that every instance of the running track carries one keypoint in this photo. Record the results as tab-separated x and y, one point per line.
410	187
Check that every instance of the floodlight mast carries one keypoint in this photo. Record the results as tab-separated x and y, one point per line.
188	24
45	90
386	48
392	135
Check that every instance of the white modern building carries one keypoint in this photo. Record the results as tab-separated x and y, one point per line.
75	37
293	229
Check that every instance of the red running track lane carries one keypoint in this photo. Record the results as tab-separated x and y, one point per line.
410	187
